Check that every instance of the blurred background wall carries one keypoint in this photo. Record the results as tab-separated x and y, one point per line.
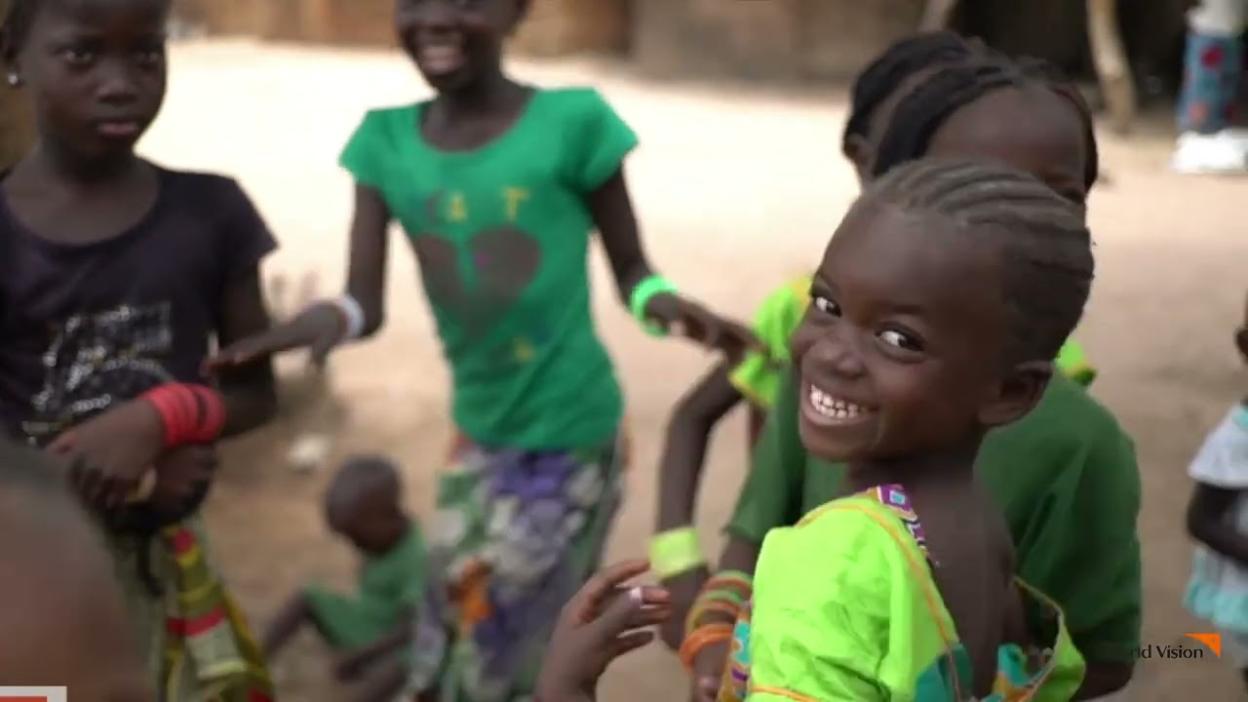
755	39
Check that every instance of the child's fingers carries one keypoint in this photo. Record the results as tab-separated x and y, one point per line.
626	643
604	583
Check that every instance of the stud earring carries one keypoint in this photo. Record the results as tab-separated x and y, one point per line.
14	79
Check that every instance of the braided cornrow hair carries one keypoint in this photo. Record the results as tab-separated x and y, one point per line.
898	62
1045	245
956	85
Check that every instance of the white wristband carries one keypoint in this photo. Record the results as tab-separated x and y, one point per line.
352	314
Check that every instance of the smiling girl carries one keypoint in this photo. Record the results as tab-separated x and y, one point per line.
498	186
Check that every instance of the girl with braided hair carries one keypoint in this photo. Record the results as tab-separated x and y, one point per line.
938	308
986	107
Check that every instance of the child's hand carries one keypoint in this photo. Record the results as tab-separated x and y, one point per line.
708	671
318	328
110	452
182	475
684	589
686	318
597	626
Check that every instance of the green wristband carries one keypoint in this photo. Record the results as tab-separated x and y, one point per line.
675	552
640	298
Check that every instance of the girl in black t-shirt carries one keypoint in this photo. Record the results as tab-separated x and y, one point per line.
116	279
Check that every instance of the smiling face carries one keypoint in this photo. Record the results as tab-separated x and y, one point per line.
96	73
456	44
1030	128
902	347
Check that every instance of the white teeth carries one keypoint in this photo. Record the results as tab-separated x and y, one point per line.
832	407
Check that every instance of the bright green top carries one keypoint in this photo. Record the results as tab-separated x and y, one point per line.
390	588
846	608
502	236
758	376
1065	477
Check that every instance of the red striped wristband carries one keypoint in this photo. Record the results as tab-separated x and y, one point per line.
191	414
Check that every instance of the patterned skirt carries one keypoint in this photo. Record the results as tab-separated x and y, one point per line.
516	534
197	645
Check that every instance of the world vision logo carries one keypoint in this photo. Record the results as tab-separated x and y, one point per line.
1211	641
1183	651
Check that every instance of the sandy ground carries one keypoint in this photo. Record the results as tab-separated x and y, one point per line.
738	189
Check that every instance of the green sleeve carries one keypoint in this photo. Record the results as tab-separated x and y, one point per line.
598	141
759	375
772	494
363	157
1082	547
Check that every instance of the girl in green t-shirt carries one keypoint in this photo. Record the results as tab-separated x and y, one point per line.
498	186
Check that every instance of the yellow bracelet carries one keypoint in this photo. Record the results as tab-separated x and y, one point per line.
675	552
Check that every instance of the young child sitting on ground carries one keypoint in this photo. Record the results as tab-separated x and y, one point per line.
362	506
1218	519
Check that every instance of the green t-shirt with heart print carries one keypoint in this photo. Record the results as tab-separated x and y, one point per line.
502	233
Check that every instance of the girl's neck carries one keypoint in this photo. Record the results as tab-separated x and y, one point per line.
492	94
955	464
50	163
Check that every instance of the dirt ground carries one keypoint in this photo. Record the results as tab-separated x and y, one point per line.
737	189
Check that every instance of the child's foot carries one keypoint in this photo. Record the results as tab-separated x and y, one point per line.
1221	153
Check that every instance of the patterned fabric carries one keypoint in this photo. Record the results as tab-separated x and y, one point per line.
516	534
198	644
895	498
1213	66
840	651
1218	590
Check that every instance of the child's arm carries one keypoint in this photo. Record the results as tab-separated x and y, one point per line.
294	614
739	555
248	390
681	468
612	210
324	325
1207	522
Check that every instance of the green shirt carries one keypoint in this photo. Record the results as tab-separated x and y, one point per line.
1065	476
502	236
390	588
846	608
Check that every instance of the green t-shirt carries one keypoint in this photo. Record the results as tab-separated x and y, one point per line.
502	236
1065	476
390	588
